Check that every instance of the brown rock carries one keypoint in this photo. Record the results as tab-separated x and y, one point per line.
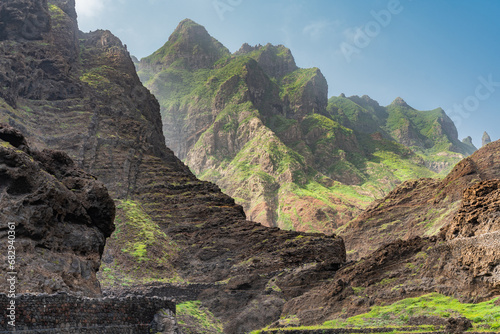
458	325
62	217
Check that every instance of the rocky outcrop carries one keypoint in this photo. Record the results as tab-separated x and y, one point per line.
59	215
190	46
276	61
24	20
460	259
486	138
479	212
422	207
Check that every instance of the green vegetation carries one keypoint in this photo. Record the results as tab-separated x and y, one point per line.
434	304
252	139
485	316
194	318
57	15
96	77
293	84
144	249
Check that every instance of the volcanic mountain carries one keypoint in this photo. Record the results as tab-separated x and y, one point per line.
79	93
265	132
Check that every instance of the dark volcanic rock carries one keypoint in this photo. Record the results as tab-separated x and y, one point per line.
458	325
24	19
461	259
423	207
62	217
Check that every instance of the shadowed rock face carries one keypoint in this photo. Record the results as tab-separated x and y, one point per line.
24	19
62	217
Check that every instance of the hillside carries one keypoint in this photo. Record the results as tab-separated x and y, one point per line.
451	250
264	131
79	93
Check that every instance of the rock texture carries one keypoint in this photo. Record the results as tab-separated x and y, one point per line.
264	131
62	217
79	93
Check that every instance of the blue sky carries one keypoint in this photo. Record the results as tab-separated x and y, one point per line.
432	53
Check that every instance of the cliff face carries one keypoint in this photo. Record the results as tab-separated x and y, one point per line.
62	217
79	93
265	132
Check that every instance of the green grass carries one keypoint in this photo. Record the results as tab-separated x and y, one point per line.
293	84
194	318
57	15
485	314
434	304
143	252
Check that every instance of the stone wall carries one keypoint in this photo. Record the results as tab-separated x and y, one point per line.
179	294
64	313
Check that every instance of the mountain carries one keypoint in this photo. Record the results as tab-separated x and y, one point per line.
451	250
79	93
486	138
265	131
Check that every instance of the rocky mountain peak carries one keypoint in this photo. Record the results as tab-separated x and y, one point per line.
188	27
276	60
364	100
468	141
400	102
486	138
190	46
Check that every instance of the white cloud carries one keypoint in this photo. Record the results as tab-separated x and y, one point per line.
90	8
316	29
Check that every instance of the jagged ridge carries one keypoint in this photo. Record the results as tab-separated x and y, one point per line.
265	132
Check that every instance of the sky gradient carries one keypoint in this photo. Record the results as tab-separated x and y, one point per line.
432	53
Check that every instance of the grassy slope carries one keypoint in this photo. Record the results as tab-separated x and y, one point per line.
485	316
138	251
193	318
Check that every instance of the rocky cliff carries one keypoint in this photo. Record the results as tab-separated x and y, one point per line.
458	256
56	216
79	93
420	207
264	131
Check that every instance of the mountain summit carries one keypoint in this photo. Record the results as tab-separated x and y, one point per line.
486	138
190	46
400	102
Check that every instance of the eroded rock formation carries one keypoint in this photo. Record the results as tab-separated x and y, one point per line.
62	217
